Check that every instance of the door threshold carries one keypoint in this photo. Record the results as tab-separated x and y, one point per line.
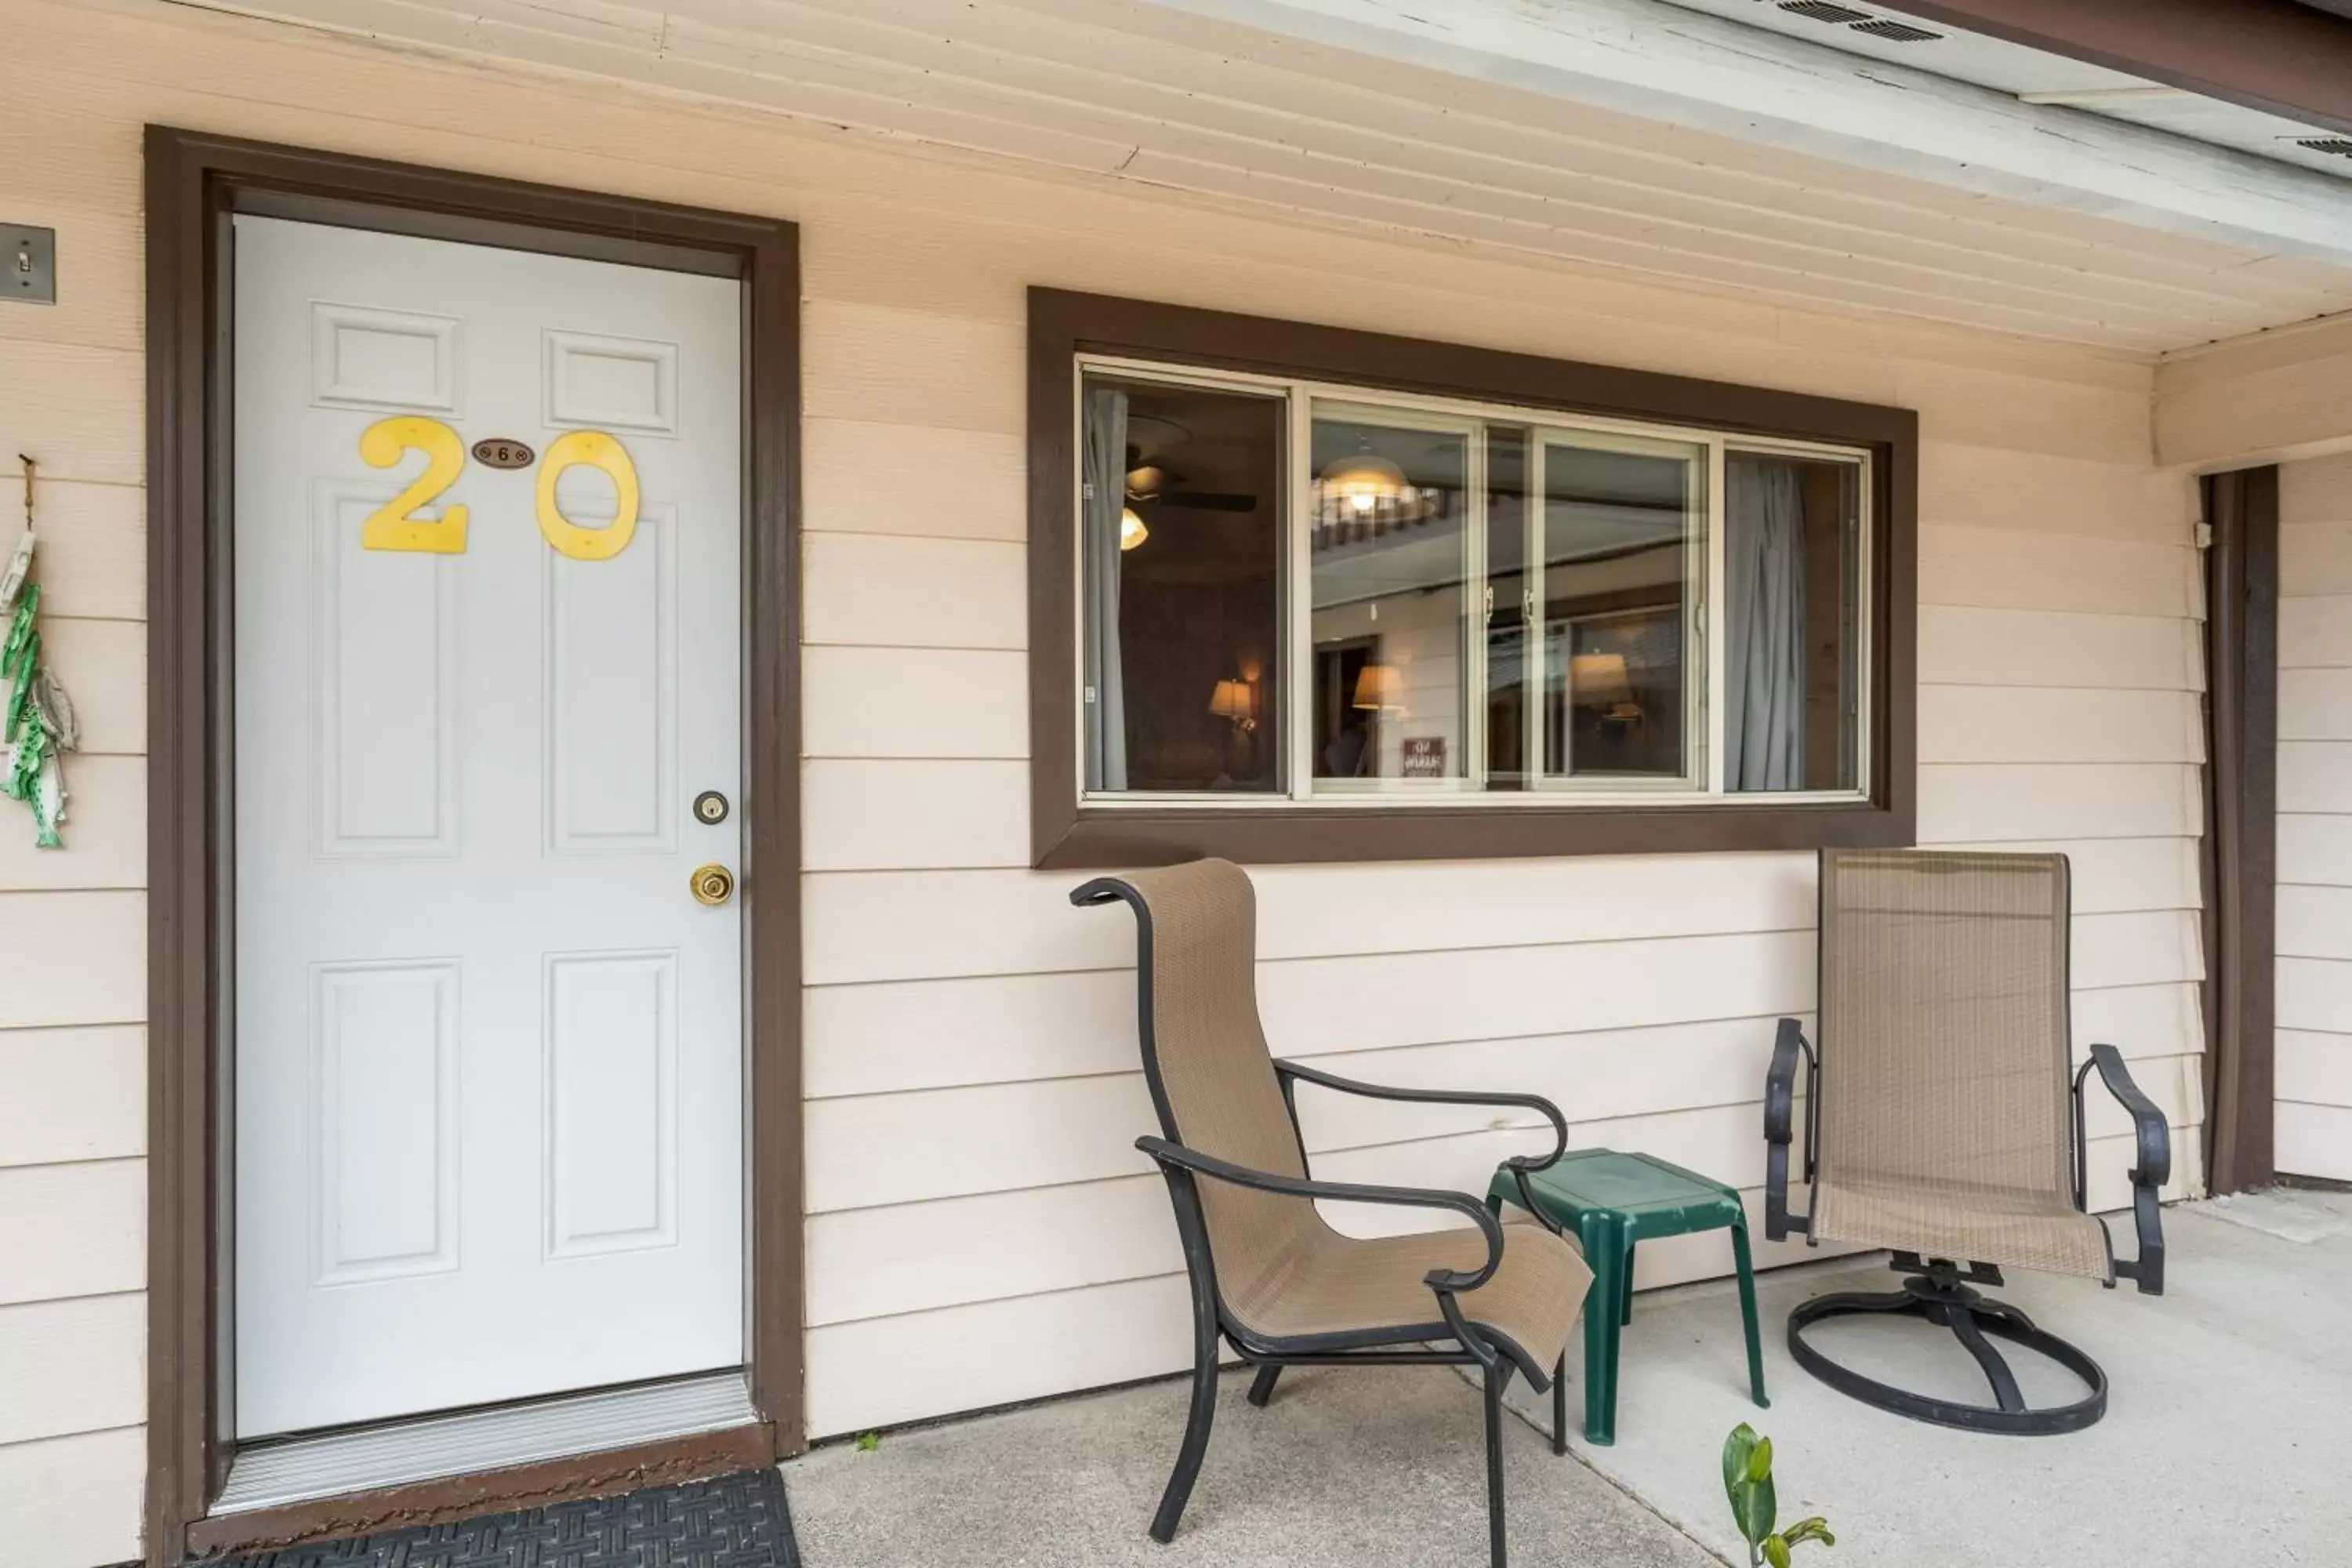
275	1472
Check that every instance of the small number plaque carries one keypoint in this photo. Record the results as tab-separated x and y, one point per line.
497	452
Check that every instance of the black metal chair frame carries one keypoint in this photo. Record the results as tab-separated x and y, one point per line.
1495	1355
1941	1290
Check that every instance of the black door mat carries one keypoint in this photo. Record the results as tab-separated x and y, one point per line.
735	1521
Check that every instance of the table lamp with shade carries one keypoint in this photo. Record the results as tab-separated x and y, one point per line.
1599	680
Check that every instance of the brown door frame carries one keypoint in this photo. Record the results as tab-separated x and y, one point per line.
2240	849
195	184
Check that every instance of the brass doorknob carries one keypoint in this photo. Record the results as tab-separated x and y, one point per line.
712	885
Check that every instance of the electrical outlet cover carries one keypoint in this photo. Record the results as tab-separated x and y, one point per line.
28	264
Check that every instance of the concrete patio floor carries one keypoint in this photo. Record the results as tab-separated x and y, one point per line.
2222	1443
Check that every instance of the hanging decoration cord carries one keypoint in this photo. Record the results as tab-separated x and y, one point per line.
36	724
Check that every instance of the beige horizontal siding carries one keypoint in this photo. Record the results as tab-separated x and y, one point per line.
2315	630
76	1229
884	1039
1976	647
2013	568
93	544
956	1001
74	957
2311	1137
72	1501
72	1366
92	1103
2259	398
2315	825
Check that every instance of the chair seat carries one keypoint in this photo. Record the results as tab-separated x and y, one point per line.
1964	1223
1341	1284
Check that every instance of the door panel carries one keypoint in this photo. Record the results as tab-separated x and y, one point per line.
488	1046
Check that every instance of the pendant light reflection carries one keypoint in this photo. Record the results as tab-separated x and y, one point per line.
1361	482
1363	495
1131	531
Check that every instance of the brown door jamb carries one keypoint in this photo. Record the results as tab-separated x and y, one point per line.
194	183
2240	845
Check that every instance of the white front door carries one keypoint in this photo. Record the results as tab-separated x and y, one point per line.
488	1044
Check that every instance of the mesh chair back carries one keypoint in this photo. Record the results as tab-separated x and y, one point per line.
1944	1043
1211	1077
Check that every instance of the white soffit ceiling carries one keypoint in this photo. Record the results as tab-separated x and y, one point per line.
1683	142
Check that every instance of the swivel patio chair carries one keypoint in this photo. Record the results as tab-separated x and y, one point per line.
1268	1273
1940	1121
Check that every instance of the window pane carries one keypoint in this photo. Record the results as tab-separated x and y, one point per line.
1510	716
1792	580
1390	545
1180	522
1623	553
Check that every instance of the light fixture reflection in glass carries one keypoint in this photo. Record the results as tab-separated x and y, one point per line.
1131	531
1360	483
1363	495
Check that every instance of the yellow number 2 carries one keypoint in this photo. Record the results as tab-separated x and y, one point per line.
596	450
395	525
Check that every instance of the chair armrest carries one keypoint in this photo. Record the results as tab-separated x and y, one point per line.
2149	1129
1440	1279
1102	890
1289	1070
1788	1045
2151	1169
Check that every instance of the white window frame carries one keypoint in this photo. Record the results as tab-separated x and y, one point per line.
1700	787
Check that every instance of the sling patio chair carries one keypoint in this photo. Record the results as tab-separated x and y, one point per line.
1941	1121
1268	1273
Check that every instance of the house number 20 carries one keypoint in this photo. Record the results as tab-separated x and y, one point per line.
395	525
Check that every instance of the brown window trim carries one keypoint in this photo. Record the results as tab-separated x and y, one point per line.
1066	835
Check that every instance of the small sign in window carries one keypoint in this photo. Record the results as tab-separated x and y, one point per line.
1424	756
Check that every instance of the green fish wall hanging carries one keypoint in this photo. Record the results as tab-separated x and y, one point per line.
36	724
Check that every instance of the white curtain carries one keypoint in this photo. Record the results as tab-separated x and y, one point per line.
1104	498
1764	651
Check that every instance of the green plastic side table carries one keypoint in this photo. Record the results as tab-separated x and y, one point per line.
1613	1201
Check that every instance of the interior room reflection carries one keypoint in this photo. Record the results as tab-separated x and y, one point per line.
1387	545
1181	517
1621	531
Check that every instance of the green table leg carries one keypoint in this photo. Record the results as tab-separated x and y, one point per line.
1747	1310
1627	1317
1606	1252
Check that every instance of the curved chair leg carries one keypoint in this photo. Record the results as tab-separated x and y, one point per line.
2005	1391
1196	1444
1496	1377
1559	1405
1971	1318
1262	1386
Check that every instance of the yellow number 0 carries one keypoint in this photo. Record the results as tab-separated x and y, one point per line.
395	525
598	450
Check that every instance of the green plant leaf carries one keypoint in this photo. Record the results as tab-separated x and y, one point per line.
1814	1528
1736	1449
1759	1463
868	1441
1776	1551
1755	1508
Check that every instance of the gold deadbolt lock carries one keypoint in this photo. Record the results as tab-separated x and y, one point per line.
712	885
